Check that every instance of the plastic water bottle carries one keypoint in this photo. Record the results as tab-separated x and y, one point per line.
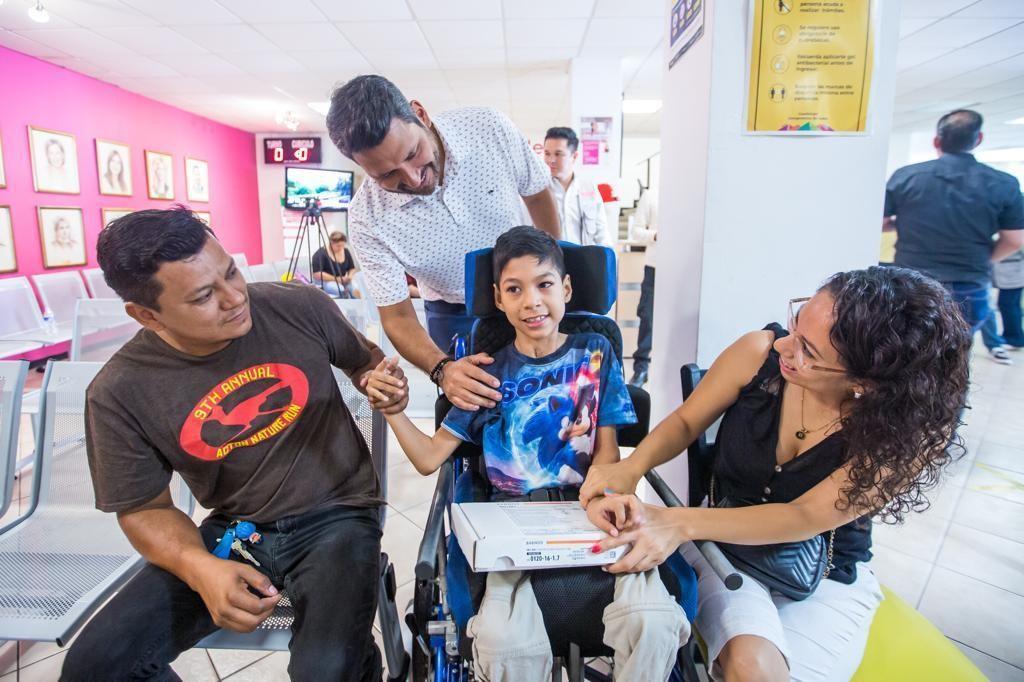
49	323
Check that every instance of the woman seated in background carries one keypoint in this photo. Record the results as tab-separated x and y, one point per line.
849	415
333	272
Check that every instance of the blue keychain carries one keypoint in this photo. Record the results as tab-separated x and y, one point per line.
223	548
460	346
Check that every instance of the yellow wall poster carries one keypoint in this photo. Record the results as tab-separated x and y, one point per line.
810	66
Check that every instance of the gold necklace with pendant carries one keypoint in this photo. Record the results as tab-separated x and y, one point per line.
802	432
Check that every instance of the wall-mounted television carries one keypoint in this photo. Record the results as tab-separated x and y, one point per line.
332	187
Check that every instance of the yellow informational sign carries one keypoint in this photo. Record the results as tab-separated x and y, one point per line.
810	66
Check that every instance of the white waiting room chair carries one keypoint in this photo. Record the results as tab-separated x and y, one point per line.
101	327
21	324
12	382
263	272
97	286
242	263
61	559
60	291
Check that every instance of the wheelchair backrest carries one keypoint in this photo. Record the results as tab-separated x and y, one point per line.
701	452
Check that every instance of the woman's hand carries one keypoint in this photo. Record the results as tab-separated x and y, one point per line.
620	477
654	532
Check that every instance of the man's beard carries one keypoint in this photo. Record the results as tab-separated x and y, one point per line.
424	189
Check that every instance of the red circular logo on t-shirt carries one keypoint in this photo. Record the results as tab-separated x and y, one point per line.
247	408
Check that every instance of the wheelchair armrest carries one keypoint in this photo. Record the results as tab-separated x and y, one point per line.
719	563
426	564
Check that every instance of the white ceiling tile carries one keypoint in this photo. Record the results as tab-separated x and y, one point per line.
77	41
265	62
199	65
469	58
242	85
228	38
410	80
614	51
625	31
633	8
384	35
265	11
908	57
152	40
910	25
83	67
456	9
361	10
29	47
383	60
96	13
156	86
310	36
463	34
520	56
994	8
333	60
136	67
184	12
525	33
933	8
956	32
14	17
545	9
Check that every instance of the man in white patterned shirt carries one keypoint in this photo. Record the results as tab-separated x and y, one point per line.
436	189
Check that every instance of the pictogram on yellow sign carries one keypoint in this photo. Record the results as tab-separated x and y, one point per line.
810	66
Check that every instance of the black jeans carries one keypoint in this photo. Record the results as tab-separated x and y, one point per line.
445	320
1010	311
327	562
645	311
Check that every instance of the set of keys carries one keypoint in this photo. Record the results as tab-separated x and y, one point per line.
234	535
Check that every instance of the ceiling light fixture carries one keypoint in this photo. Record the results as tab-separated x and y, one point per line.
640	106
1016	122
319	107
288	119
38	13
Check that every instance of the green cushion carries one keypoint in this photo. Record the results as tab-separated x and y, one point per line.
904	647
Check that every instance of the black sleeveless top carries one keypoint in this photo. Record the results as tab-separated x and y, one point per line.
745	465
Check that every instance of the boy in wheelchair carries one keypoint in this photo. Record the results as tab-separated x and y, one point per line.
563	396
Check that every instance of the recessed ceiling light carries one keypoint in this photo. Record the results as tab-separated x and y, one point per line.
38	13
319	107
1016	122
288	119
640	106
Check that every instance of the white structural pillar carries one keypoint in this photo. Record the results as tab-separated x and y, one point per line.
595	91
748	222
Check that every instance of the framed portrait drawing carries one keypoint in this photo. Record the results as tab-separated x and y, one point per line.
111	214
159	175
8	260
197	179
3	173
114	168
62	235
204	216
54	161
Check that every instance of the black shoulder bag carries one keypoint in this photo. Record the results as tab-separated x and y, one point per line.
793	569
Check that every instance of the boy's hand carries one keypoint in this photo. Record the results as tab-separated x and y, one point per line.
386	387
468	386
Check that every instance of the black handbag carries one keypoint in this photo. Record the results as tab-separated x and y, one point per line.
792	569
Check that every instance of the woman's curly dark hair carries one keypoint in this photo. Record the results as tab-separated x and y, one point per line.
899	333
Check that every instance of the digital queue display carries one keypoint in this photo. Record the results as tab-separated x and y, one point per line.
291	150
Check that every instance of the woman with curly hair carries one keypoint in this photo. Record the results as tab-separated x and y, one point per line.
850	414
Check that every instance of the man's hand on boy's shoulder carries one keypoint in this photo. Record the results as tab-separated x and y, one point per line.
468	385
386	387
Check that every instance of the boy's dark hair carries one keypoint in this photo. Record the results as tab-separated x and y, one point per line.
563	133
526	240
958	131
361	113
132	248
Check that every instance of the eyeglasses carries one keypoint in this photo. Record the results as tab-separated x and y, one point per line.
799	349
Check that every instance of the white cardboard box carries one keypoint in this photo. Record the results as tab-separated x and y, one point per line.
505	536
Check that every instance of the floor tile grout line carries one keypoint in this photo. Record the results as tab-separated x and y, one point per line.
974	648
216	672
213	667
977	579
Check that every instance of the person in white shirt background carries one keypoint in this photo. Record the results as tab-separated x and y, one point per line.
436	188
645	230
580	208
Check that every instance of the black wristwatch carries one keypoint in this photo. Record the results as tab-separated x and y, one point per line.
438	371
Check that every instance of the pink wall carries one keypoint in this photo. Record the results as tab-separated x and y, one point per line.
47	96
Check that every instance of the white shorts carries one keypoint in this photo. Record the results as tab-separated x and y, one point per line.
822	637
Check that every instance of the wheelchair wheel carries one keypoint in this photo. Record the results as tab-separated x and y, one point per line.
421	665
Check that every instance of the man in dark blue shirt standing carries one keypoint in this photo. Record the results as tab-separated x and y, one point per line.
946	213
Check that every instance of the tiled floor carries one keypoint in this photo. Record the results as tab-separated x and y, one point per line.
961	563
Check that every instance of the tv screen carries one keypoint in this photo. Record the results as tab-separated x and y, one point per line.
332	187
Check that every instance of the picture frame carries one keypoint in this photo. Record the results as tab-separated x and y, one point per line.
204	216
113	168
54	157
159	175
3	173
108	214
197	179
61	236
8	257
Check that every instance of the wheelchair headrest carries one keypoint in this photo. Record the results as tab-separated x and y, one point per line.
591	270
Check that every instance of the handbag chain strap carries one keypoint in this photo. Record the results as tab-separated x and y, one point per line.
831	534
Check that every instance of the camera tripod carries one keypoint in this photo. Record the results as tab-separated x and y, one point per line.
312	216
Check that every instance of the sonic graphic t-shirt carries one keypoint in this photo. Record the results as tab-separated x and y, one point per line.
258	430
542	433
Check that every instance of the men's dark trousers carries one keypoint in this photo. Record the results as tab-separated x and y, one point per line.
645	311
1010	311
326	561
444	321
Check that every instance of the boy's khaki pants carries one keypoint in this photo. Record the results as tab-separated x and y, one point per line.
643	625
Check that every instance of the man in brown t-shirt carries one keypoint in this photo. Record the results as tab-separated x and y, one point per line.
231	386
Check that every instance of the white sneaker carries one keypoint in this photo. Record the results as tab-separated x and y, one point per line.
1000	355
